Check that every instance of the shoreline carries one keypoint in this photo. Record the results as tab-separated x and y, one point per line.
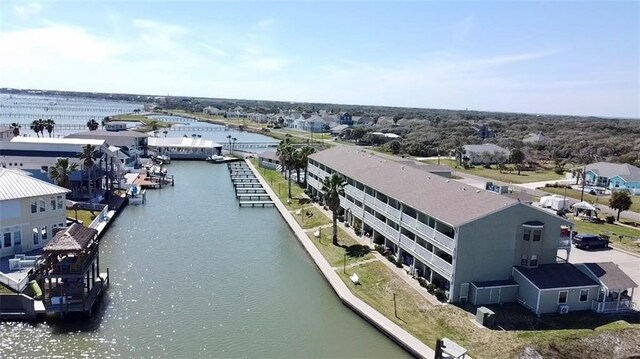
401	337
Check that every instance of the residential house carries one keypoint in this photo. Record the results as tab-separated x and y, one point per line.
484	132
346	119
6	133
365	120
133	144
478	246
487	153
30	211
213	111
36	155
268	159
614	176
337	130
536	138
331	121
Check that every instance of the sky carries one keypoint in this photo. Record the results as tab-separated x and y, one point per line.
556	57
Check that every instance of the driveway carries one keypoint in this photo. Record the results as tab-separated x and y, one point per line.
628	263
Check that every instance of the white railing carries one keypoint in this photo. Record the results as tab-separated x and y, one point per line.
442	264
407	242
354	192
390	231
411	222
564	242
613	306
443	239
99	218
18	286
313	182
392	212
429	257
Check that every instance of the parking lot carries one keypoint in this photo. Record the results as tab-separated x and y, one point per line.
628	263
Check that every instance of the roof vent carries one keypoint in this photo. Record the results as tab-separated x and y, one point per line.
477	191
402	167
429	177
448	181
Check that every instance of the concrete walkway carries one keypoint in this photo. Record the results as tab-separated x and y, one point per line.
385	325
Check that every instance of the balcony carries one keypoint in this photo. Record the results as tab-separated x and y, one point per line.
613	306
407	242
354	192
564	242
433	260
445	241
409	221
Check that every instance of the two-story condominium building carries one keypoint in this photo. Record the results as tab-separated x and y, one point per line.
30	209
466	240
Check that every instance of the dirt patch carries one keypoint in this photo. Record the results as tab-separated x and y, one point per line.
619	344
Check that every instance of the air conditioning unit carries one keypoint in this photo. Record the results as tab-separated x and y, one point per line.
563	309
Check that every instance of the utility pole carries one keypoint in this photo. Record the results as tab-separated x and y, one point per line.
584	177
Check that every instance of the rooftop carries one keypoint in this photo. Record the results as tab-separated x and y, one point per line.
558	275
609	170
487	147
15	185
611	275
449	201
76	238
182	142
106	133
58	141
270	155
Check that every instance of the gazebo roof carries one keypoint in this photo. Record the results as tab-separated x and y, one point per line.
73	239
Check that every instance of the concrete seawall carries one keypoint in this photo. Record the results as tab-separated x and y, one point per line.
407	341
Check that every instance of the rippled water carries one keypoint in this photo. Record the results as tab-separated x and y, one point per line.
193	275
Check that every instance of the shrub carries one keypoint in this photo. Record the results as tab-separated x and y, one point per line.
431	288
423	282
379	248
559	171
440	295
610	219
592	192
391	258
399	264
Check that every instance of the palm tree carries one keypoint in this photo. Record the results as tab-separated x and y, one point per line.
93	124
165	132
305	152
61	170
88	161
333	188
286	155
16	129
154	125
49	124
234	144
229	138
36	126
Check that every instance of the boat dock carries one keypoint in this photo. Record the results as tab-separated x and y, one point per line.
249	191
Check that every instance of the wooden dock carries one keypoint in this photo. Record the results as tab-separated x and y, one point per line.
249	190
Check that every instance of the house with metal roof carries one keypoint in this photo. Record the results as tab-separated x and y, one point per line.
37	155
613	176
132	143
453	235
31	210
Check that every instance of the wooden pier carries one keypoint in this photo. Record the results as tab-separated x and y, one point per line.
249	191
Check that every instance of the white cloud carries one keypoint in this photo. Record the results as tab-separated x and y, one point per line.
159	35
27	9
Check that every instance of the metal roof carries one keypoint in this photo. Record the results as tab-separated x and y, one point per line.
15	185
58	141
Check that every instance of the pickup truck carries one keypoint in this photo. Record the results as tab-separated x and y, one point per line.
589	241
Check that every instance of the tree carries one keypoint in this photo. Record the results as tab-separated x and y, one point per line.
37	126
88	161
165	132
620	201
286	154
229	138
333	188
61	170
15	127
517	158
154	125
305	152
49	125
93	124
395	146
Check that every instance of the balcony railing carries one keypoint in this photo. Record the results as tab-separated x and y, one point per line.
432	259
354	192
612	306
564	242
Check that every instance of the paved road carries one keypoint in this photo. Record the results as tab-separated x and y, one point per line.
628	263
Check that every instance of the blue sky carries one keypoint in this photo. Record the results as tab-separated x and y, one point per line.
569	57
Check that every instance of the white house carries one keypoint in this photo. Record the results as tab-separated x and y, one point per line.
31	209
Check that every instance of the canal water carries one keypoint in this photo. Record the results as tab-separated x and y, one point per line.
193	275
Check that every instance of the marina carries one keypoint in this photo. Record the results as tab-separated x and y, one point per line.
249	190
191	284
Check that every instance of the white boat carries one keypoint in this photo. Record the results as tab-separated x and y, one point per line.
215	158
163	159
137	195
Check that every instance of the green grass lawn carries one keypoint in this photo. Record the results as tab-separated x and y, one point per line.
5	290
279	185
629	235
84	216
509	177
575	194
335	255
316	219
428	323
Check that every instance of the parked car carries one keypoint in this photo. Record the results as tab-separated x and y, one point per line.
589	241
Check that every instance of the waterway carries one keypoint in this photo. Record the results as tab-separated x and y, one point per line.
193	275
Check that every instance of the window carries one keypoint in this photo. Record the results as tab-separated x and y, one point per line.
36	237
53	203
6	239
34	205
44	233
533	261
562	297
584	295
17	238
523	260
41	204
527	234
60	202
537	234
